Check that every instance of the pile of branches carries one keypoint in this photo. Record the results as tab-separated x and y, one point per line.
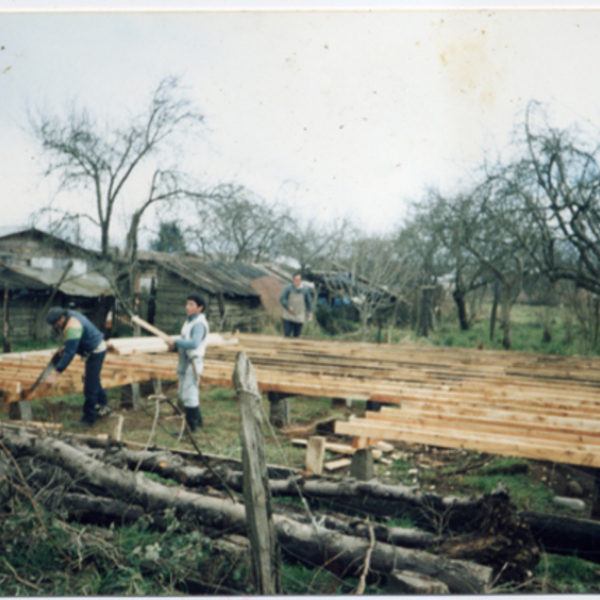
111	485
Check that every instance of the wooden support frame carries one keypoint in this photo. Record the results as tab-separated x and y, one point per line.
535	406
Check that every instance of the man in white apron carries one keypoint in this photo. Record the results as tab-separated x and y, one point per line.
191	347
296	300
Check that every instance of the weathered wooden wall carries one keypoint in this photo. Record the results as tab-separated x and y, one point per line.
223	313
24	307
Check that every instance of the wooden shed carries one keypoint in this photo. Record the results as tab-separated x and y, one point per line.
32	265
26	292
32	247
165	280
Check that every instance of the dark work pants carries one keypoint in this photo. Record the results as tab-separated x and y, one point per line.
291	329
92	390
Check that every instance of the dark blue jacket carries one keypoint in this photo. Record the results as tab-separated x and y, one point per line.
77	340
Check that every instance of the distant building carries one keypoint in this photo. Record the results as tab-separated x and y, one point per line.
238	295
32	272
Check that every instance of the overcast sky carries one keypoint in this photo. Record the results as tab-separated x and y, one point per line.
336	112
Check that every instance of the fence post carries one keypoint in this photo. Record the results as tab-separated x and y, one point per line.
5	322
266	555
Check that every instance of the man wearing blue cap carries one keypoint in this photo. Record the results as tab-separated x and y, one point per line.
81	337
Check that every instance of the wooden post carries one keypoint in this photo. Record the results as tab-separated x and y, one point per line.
135	387
315	454
5	324
117	429
20	411
362	465
266	556
279	414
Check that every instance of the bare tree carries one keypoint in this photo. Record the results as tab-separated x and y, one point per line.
369	272
441	230
312	242
236	225
557	182
100	160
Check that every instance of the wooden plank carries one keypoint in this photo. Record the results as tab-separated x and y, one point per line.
330	446
494	444
334	465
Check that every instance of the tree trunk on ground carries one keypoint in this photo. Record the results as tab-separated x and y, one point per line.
100	510
346	555
312	544
565	535
557	534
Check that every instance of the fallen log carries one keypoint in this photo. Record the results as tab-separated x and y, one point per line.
100	510
346	555
565	535
426	508
313	545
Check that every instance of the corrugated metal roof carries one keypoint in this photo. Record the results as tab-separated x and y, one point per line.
227	278
89	285
9	230
6	230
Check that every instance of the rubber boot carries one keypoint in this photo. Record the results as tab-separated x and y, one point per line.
193	417
190	417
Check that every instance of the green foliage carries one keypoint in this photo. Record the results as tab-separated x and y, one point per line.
523	489
158	478
170	239
20	345
337	320
527	331
298	579
61	559
569	574
222	394
406	521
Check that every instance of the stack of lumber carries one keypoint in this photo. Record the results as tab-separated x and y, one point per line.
520	404
154	345
517	404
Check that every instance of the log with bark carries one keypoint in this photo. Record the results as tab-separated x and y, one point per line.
555	534
309	543
565	535
495	536
428	510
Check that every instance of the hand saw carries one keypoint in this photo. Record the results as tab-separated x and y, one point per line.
48	369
